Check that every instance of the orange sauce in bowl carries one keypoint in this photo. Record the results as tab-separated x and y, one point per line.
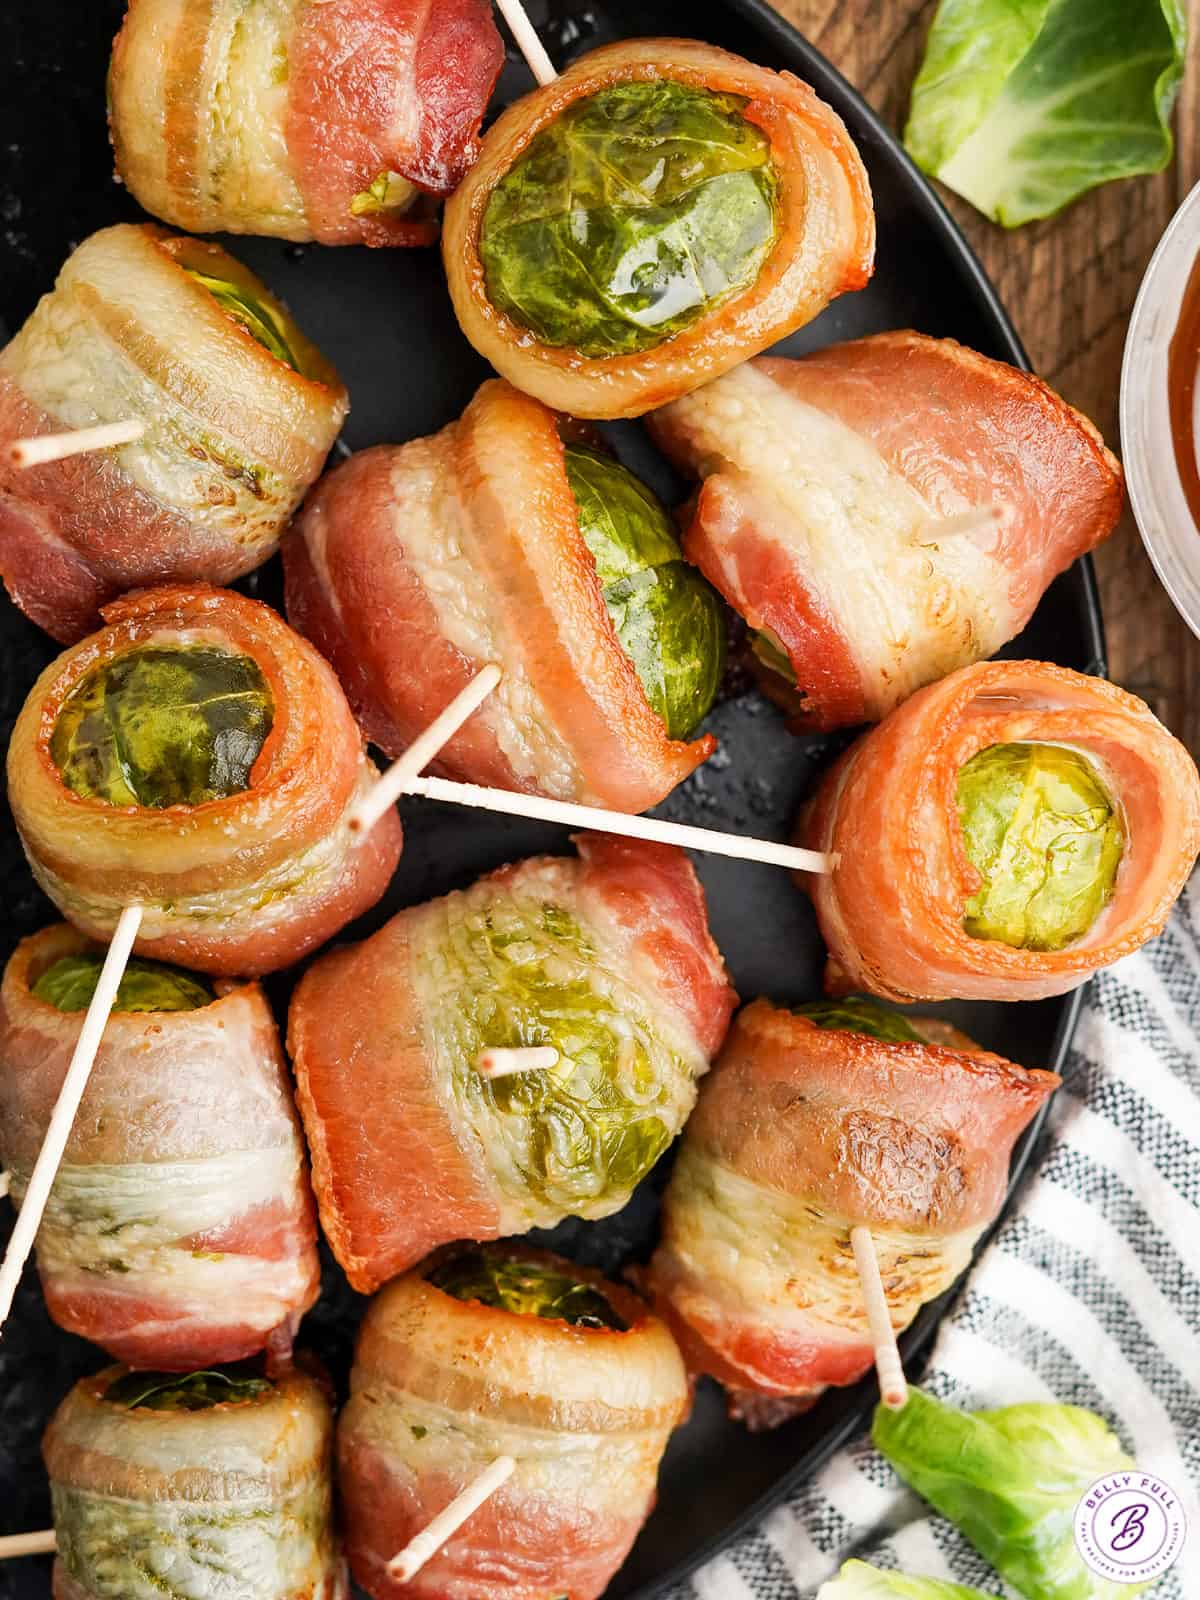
1183	365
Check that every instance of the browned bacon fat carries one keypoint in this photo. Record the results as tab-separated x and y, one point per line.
413	566
198	758
1004	834
330	120
807	1127
213	1483
505	1351
660	212
239	411
181	1231
884	511
606	958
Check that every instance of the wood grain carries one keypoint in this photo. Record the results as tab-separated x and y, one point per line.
1069	284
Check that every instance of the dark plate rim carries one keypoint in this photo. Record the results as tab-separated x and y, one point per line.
798	54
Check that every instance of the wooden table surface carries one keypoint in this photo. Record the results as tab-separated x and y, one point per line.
1069	285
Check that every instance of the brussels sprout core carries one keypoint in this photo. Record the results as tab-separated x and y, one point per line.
389	195
667	618
237	1384
527	1288
636	212
861	1016
145	985
259	320
1045	836
163	726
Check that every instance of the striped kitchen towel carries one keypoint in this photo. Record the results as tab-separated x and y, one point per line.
1089	1293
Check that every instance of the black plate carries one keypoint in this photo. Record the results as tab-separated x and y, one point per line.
386	321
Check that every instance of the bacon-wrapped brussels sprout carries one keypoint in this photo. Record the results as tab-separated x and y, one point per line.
607	958
506	1350
239	410
169	1487
413	566
180	1230
198	757
334	120
654	216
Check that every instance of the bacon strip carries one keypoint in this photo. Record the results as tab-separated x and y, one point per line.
181	1231
242	1488
273	120
823	478
825	244
411	567
234	436
800	1134
441	1387
890	910
411	1147
243	885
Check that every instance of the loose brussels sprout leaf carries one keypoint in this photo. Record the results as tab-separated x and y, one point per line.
668	619
526	1288
163	727
388	195
259	320
236	1384
1021	107
858	1581
1044	835
145	986
768	647
1010	1480
857	1015
639	210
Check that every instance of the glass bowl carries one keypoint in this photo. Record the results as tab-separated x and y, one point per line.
1168	528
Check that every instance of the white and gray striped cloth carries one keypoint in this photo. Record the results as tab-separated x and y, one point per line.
1089	1293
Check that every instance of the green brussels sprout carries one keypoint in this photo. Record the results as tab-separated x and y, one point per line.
388	195
524	1287
260	321
162	726
70	983
860	1015
1045	836
578	1137
667	618
858	1581
768	647
637	211
235	1384
1010	1480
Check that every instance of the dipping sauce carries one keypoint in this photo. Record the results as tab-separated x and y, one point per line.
1183	363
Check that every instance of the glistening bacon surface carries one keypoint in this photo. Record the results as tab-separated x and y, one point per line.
800	1134
411	567
233	435
823	479
277	118
891	908
440	1387
825	244
180	1232
608	957
194	1497
242	885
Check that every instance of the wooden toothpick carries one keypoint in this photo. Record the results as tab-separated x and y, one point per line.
502	1063
528	43
28	1544
397	780
893	1387
62	1119
405	1565
44	447
597	820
